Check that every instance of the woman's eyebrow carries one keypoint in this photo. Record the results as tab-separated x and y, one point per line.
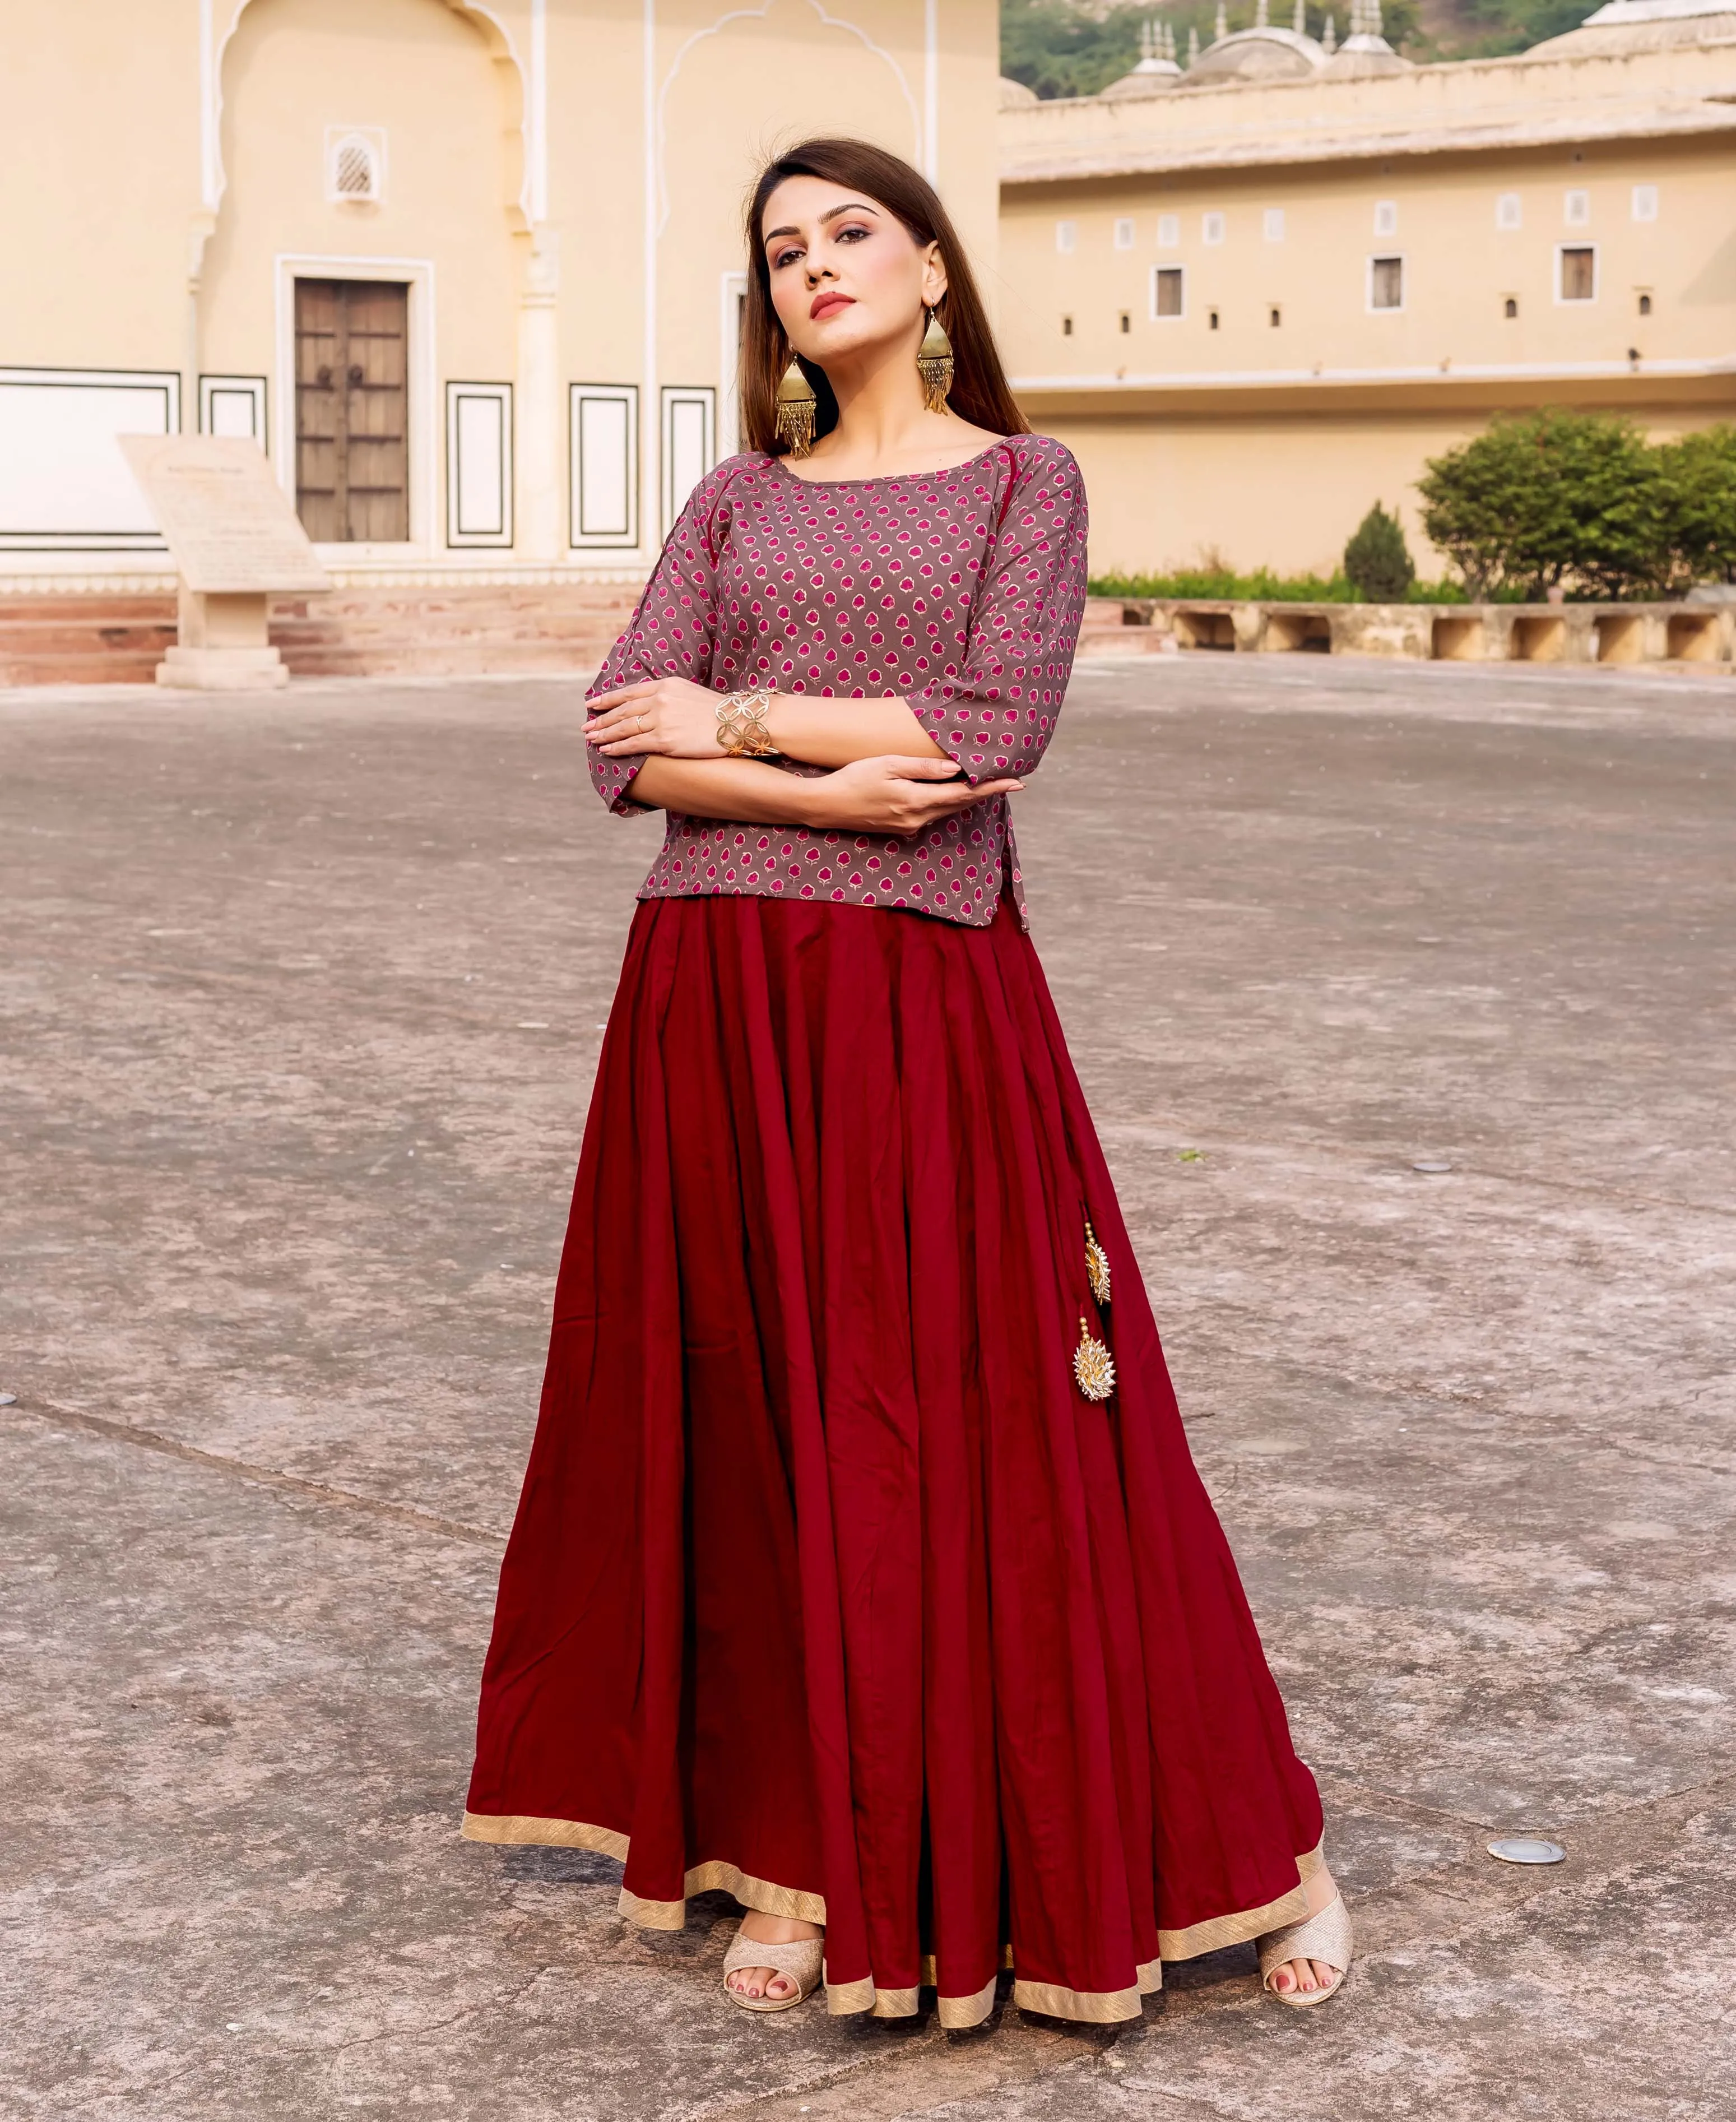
832	213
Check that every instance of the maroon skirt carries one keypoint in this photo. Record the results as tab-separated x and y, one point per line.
828	1587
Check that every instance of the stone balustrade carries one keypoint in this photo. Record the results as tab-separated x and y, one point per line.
1687	633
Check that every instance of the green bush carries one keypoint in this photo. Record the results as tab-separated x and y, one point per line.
1263	587
1698	478
1378	560
1552	499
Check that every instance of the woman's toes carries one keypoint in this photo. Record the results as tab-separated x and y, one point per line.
780	1985
1305	1970
1284	1980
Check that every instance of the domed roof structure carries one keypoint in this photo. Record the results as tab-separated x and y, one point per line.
1015	95
1365	53
1644	25
1157	69
1261	54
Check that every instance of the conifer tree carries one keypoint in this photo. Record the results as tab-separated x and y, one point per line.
1378	561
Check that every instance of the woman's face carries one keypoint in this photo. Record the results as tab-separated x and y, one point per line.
846	275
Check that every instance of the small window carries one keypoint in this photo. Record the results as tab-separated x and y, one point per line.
1510	307
1067	237
1646	305
1386	217
1067	327
355	164
1169	292
1211	228
1386	284
1576	209
1211	319
1578	271
1127	321
1169	232
1275	317
1646	202
1123	235
1508	213
1274	224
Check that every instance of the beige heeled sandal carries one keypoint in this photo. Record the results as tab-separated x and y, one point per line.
802	1960
1325	1937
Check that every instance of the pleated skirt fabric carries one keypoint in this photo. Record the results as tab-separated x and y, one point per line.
828	1587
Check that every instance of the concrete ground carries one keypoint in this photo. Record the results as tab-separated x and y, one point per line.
300	1000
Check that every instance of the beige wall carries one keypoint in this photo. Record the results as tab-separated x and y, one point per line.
1266	442
565	212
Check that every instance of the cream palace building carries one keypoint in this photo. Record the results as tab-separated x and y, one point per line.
470	273
1253	297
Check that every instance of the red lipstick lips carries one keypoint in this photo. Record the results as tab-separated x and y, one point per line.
827	305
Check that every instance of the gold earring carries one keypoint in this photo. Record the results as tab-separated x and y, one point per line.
934	364
796	400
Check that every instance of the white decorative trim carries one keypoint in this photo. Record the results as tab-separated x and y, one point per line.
1291	379
421	409
462	399
732	292
758	14
536	118
251	388
931	90
650	121
533	104
152	389
578	537
676	399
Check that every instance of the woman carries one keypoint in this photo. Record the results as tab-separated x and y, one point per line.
862	1569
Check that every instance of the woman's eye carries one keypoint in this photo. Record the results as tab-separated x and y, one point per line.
853	235
784	258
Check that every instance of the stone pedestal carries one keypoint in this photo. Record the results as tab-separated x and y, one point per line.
223	645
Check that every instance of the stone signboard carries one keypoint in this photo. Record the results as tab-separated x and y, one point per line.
229	524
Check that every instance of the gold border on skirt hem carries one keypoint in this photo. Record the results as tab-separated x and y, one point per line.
714	1876
1100	2007
1217	1932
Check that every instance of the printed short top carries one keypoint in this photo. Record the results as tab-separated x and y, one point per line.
960	591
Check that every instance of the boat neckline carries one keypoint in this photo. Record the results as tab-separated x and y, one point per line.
893	478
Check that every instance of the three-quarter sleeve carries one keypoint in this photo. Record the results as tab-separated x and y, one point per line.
673	632
995	714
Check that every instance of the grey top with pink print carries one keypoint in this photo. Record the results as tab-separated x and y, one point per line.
962	591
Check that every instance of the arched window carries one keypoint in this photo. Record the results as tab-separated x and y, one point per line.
355	167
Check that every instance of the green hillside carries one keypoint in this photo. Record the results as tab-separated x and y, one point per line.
1060	49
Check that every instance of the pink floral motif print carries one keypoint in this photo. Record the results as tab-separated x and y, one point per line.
959	591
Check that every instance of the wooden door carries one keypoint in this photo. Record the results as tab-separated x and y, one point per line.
352	456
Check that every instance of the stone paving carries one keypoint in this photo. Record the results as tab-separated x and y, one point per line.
300	999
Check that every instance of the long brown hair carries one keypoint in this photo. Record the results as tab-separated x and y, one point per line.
979	392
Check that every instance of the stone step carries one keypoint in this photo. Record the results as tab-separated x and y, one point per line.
1119	640
396	631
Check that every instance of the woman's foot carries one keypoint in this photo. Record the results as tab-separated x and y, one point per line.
767	1982
1304	1976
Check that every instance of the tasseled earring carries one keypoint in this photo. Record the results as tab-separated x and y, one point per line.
796	400
934	363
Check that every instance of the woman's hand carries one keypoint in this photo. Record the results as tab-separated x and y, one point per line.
671	717
896	795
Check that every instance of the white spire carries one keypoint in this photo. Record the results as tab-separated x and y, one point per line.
1260	16
1221	28
1329	37
1147	44
1193	44
1300	24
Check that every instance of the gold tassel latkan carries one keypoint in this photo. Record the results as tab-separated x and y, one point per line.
796	400
934	363
1093	1365
1097	1265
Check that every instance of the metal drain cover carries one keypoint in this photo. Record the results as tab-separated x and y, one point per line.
1526	1849
1429	1164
